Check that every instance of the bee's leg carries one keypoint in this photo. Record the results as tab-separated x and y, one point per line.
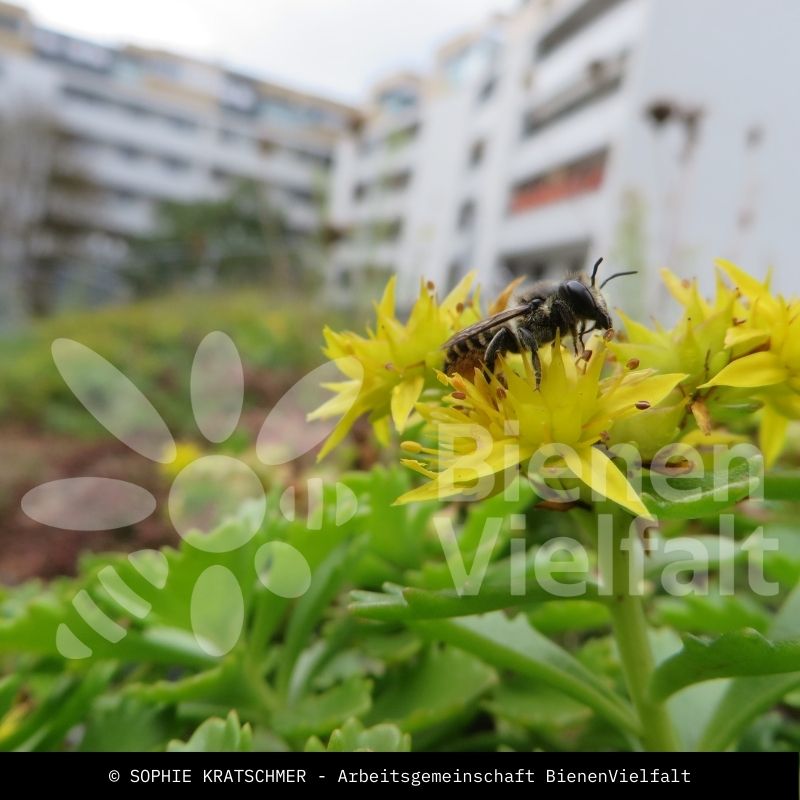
503	341
577	339
528	341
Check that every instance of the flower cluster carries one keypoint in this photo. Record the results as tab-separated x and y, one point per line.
740	352
736	353
487	426
388	369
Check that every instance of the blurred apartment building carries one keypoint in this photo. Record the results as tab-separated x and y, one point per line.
650	132
142	126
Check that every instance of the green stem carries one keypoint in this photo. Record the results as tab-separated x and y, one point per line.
630	631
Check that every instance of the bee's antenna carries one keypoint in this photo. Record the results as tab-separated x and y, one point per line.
616	275
594	269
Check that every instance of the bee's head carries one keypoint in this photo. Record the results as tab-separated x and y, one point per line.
586	299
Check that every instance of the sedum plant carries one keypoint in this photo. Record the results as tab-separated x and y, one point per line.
670	397
578	567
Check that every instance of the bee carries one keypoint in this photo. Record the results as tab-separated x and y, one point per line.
544	312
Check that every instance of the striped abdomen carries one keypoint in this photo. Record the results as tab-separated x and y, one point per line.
468	350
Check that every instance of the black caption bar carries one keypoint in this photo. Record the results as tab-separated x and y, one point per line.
555	775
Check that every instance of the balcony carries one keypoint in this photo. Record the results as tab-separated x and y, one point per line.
581	17
560	183
600	80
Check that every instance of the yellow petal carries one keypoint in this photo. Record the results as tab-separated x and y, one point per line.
681	290
501	301
772	435
747	284
382	430
651	389
757	369
404	397
459	293
598	472
335	406
744	338
697	438
641	334
340	431
386	306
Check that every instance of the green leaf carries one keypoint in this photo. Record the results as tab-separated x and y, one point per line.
782	485
125	724
319	714
732	655
353	737
68	702
564	616
444	684
9	687
407	604
536	707
701	496
325	584
515	645
217	736
748	697
711	614
692	707
716	551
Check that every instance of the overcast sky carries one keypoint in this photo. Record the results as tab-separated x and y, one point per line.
338	47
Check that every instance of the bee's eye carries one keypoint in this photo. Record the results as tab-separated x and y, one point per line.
580	298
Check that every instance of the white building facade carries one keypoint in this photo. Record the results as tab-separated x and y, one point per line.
651	132
149	126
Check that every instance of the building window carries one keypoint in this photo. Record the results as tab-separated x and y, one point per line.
476	153
135	110
390	231
466	215
560	183
175	164
581	18
84	96
396	182
548	263
397	99
130	153
403	136
487	90
9	23
125	196
603	79
181	123
322	160
384	231
300	195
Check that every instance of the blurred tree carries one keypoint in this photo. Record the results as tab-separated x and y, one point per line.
239	238
46	196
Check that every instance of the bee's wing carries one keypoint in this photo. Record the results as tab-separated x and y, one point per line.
486	324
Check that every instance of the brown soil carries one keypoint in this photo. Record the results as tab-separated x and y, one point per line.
28	548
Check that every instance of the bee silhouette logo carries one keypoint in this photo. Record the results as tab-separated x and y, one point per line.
206	493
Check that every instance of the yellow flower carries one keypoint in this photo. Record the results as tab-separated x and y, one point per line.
388	369
185	454
490	427
697	343
765	346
